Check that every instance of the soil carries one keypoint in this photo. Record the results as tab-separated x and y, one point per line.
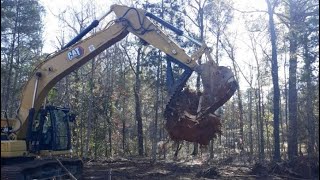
182	124
143	168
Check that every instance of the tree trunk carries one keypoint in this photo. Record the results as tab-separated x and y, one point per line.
105	136
16	76
82	132
14	89
257	121
275	81
201	29
211	150
77	135
217	46
267	129
261	153
155	130
293	123
310	95
124	104
286	132
96	128
124	137
10	64
250	123
138	104
90	110
239	99
110	128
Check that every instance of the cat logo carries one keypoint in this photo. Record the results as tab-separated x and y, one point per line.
75	53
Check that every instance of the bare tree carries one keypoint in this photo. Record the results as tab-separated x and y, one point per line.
275	80
137	97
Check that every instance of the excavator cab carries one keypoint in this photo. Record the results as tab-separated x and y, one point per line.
50	130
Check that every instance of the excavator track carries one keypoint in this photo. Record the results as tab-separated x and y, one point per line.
42	169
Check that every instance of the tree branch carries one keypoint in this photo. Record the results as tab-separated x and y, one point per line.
129	58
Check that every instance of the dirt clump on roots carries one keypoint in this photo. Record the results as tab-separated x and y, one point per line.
182	125
190	116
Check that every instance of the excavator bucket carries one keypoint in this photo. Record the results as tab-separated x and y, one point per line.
219	85
191	116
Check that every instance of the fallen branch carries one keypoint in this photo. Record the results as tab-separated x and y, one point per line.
89	161
69	173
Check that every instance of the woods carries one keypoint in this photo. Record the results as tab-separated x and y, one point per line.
119	96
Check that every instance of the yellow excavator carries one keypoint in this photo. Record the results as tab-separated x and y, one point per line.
36	144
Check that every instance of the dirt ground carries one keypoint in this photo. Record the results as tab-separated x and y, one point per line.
142	168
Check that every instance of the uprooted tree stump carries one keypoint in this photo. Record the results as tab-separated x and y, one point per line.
182	126
191	115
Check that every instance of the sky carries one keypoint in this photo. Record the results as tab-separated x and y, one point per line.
243	54
51	22
55	7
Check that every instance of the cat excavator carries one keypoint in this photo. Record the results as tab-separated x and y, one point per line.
36	144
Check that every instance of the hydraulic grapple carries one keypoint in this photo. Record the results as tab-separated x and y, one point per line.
190	115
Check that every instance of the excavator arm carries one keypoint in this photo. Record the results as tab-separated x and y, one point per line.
59	65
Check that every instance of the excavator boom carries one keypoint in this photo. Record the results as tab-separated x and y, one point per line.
66	61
